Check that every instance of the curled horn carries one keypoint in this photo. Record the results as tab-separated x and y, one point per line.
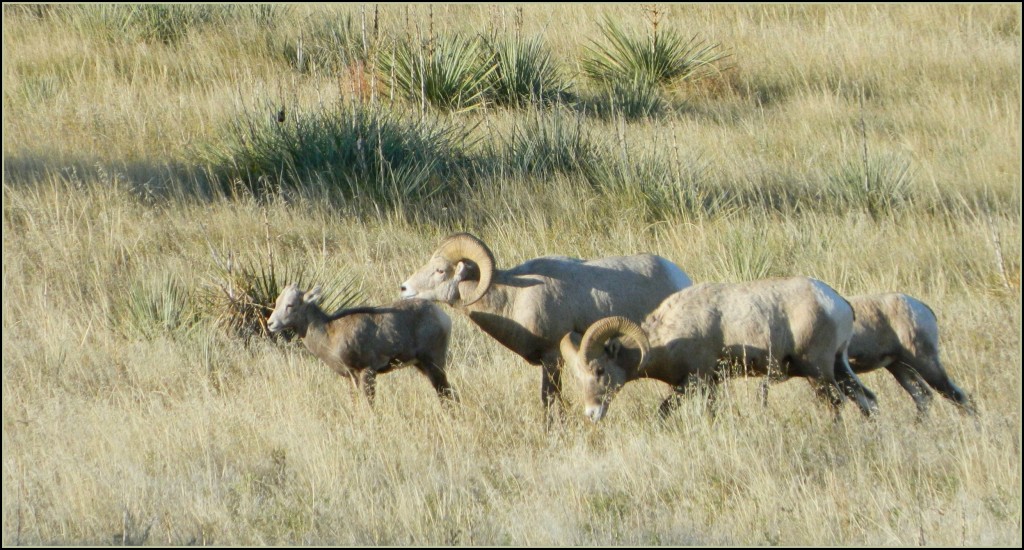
463	246
600	332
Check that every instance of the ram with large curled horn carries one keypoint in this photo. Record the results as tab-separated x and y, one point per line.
795	327
528	308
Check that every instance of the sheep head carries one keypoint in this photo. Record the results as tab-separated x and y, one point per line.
461	257
289	309
598	363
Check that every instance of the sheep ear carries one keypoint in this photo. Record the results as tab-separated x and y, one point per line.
613	347
462	271
570	346
314	296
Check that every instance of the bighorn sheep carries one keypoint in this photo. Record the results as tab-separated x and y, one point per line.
901	334
529	307
797	326
359	343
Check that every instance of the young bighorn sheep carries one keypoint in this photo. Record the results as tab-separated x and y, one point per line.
900	333
796	326
360	343
529	307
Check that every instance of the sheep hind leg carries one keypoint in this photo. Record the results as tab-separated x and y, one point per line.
932	372
435	373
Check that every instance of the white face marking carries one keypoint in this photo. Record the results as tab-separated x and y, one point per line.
433	281
600	381
285	309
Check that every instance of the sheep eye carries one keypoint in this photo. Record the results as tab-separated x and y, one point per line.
599	371
440	271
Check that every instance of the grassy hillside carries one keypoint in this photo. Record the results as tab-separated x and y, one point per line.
877	148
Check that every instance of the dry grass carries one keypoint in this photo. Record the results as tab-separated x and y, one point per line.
192	437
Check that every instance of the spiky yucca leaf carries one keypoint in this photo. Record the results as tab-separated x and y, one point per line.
451	73
242	295
885	188
661	58
151	308
524	73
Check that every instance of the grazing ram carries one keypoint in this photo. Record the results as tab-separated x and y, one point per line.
360	343
529	307
901	334
796	326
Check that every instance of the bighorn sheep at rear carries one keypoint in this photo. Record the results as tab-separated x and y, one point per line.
529	307
361	342
901	334
796	326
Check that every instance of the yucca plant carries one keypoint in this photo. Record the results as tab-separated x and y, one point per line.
451	72
241	295
663	57
152	308
879	185
524	73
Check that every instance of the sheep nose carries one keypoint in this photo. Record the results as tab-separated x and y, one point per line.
407	292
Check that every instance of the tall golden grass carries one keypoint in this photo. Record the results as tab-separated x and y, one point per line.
195	437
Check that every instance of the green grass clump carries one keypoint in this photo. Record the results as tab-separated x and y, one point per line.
547	142
632	70
352	149
324	45
164	23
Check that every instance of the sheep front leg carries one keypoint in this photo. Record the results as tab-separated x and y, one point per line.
830	392
672	402
914	385
850	385
368	384
550	387
762	391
